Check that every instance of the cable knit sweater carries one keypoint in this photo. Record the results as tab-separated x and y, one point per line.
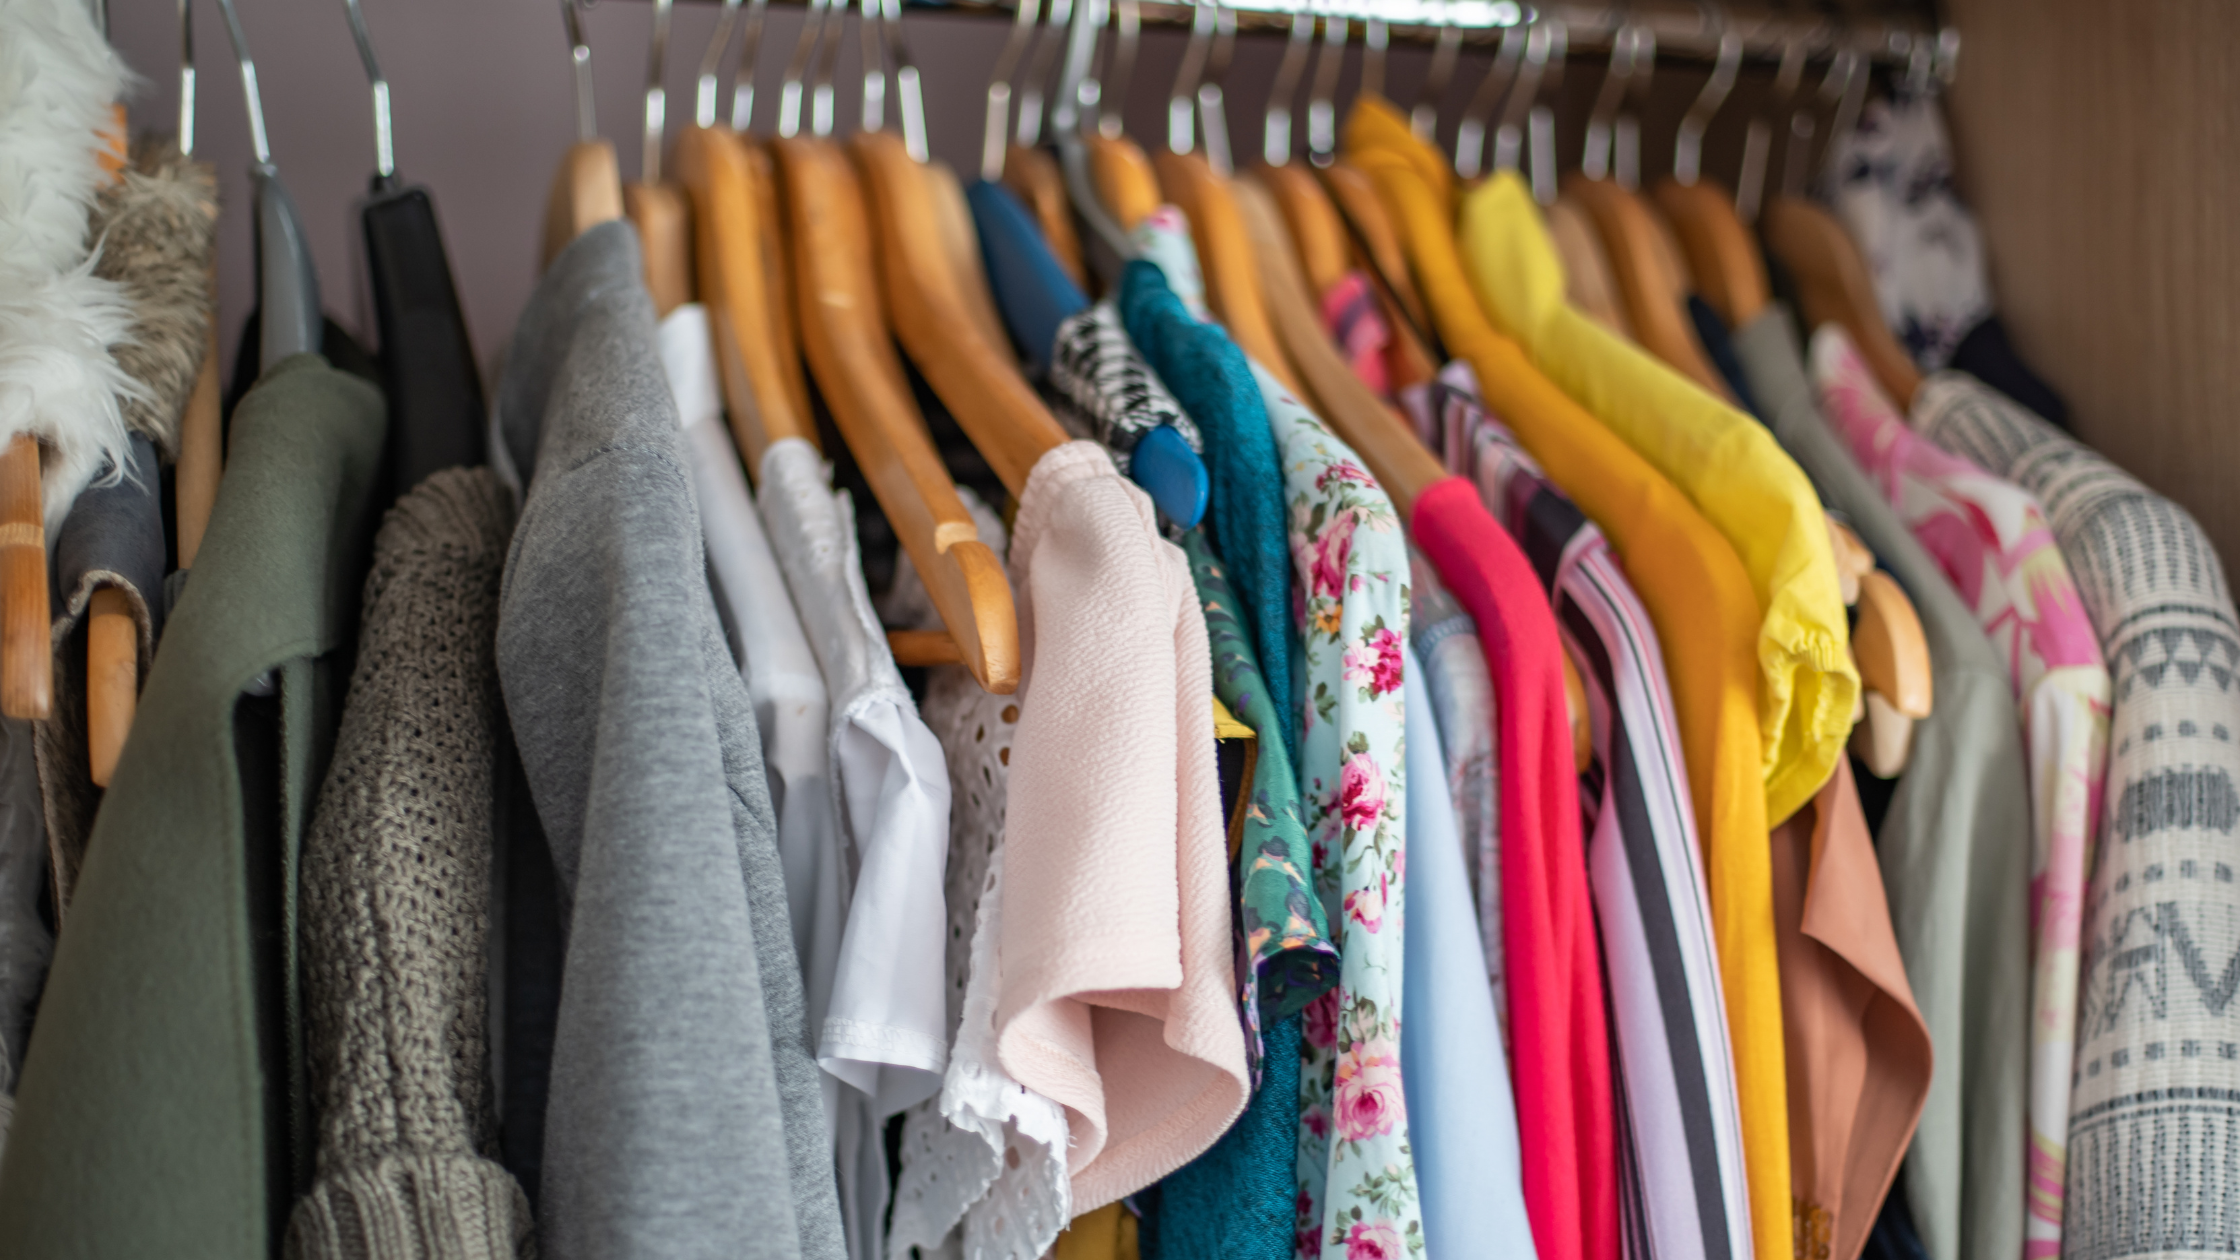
395	904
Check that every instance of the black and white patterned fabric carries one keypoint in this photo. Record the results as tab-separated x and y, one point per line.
2154	1114
1110	394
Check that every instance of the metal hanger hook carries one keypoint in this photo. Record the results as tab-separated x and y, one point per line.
1181	113
1470	133
1275	139
1423	118
384	145
705	86
657	95
258	144
797	68
742	77
1213	116
1322	104
1687	150
186	78
997	123
579	57
1033	100
1127	37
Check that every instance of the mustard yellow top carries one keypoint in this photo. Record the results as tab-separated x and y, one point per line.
1730	465
1706	617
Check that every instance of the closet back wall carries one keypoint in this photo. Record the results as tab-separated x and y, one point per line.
2098	144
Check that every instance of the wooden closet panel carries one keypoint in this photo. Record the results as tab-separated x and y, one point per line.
2101	147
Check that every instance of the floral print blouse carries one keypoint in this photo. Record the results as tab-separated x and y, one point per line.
1357	1184
1286	956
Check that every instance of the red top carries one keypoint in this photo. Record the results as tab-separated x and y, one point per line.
1559	1038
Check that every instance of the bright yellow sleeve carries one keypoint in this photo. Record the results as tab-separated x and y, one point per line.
1728	464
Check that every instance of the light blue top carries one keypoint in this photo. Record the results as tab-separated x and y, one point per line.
1462	1119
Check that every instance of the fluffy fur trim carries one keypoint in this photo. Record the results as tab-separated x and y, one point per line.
59	381
157	229
57	80
58	321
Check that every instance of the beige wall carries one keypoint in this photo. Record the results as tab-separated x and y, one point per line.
2101	146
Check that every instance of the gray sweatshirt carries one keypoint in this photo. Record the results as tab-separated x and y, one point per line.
684	1117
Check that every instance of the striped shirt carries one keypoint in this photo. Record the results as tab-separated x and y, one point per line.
1684	1193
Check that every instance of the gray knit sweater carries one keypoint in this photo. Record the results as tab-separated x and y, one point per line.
395	904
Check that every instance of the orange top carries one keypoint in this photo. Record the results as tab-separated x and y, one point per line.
1706	615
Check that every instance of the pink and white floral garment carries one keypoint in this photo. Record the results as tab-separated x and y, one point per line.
1357	1183
1991	538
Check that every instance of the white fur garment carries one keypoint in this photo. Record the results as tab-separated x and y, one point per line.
58	321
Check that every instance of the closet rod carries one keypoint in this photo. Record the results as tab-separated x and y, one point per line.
1680	30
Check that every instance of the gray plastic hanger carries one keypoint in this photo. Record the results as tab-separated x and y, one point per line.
287	281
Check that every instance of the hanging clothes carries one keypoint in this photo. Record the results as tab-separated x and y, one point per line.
680	1067
164	1092
885	1033
1705	615
395	907
1237	1199
984	1163
26	942
790	706
2144	1120
1859	1054
1954	850
1685	1190
1445	638
1113	394
1356	1172
1133	1026
1208	375
1732	469
1462	1120
1890	181
1992	539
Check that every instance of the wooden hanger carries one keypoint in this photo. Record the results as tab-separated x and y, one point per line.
1374	249
1587	280
1314	223
1032	176
1396	457
981	386
1226	258
587	189
1722	258
1124	179
1896	680
658	210
1356	199
1835	288
1895	673
764	395
26	641
1644	263
845	335
960	245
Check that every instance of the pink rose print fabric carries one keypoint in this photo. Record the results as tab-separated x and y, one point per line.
1991	538
1357	1185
